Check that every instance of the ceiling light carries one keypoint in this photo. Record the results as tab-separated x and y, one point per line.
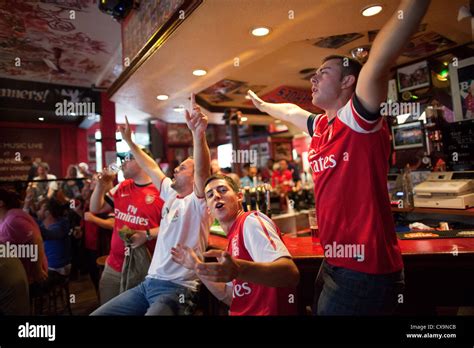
277	121
162	97
361	53
179	108
243	119
41	118
247	97
371	10
199	72
260	31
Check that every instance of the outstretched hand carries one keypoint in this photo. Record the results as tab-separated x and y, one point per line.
196	121
185	256
225	270
126	131
256	100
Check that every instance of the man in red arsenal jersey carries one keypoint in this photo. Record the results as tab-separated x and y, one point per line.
282	178
136	203
256	274
362	273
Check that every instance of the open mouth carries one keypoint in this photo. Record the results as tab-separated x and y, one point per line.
219	205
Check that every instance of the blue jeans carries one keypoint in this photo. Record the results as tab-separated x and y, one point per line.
340	291
151	297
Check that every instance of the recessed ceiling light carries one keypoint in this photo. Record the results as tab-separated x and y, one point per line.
371	10
162	97
260	31
247	97
41	118
179	108
277	121
199	72
243	119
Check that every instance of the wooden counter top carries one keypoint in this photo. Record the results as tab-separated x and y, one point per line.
303	247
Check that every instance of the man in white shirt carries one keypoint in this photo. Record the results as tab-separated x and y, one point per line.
169	288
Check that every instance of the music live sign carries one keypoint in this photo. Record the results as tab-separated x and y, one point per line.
16	143
294	95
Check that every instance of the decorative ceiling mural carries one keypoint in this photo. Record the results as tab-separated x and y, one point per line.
228	91
59	41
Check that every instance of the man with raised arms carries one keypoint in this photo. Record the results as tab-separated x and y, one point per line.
169	288
349	155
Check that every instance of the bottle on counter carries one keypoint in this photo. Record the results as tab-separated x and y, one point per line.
407	185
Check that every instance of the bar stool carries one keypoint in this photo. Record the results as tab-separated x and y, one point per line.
57	286
100	262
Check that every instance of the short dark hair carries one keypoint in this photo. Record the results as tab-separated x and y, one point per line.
44	165
229	180
349	66
54	207
11	199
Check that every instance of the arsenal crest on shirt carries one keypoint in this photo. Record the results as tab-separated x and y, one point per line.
149	199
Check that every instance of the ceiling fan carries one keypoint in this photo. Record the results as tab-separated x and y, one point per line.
56	64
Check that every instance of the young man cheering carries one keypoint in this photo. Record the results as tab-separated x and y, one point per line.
257	264
169	288
349	157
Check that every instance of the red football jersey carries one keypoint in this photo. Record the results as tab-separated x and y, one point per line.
254	237
282	178
349	159
135	206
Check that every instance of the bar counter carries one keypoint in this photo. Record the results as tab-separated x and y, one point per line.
438	272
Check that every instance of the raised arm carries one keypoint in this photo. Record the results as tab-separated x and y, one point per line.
371	87
285	111
151	168
104	185
197	123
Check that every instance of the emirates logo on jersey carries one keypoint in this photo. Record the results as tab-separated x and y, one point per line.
322	163
240	290
149	199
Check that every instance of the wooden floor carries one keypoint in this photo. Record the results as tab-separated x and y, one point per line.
85	296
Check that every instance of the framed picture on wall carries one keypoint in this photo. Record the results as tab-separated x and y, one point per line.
408	135
179	134
282	150
413	76
461	74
